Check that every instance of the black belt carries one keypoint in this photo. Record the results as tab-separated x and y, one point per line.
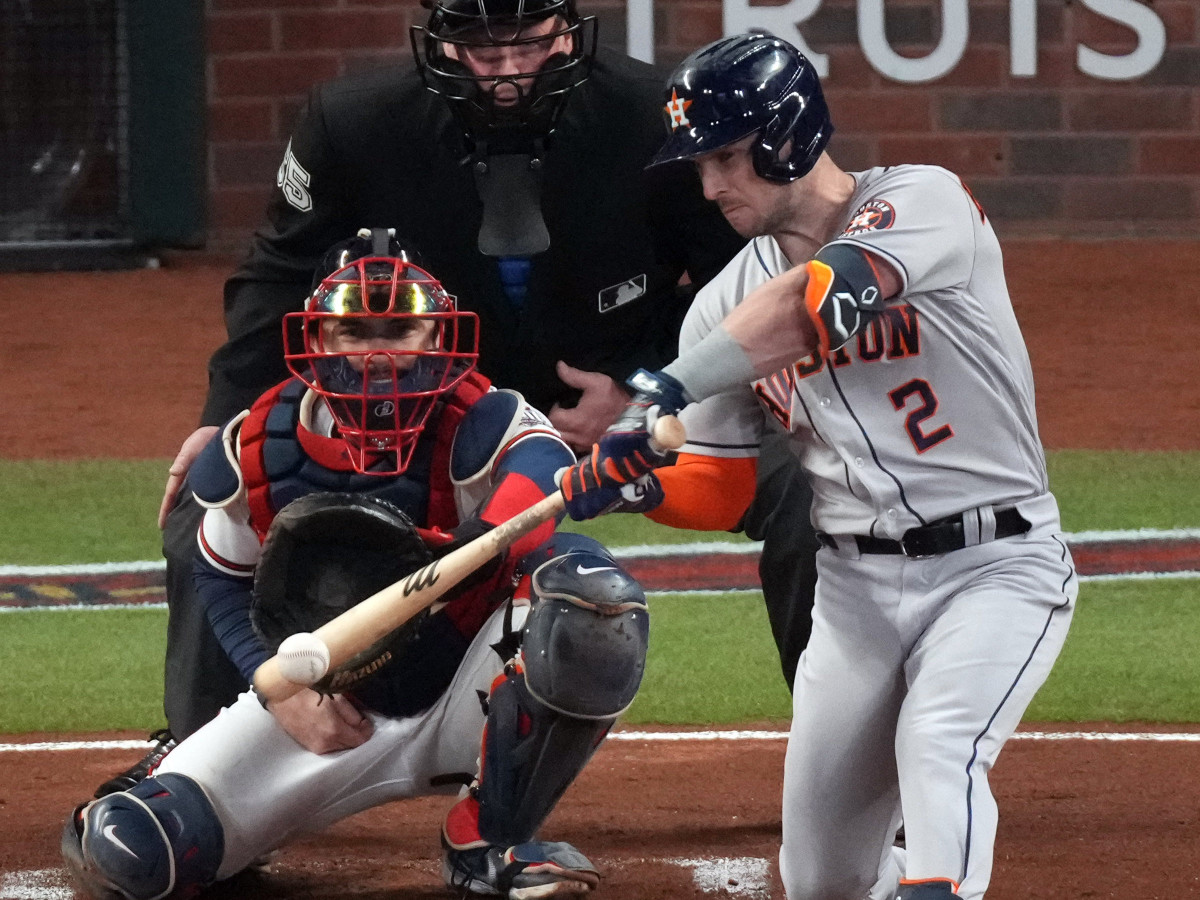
943	536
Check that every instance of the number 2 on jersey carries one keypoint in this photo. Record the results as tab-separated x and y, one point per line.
927	407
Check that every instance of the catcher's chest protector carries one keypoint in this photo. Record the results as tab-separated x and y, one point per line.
279	467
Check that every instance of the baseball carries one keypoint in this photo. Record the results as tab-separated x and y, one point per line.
303	658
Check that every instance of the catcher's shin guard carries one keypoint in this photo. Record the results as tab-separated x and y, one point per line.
159	838
581	662
531	755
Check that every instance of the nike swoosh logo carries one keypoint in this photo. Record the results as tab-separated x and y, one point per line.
109	832
582	570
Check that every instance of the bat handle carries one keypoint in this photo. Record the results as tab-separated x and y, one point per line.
668	433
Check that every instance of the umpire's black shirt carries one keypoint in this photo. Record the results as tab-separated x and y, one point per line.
378	150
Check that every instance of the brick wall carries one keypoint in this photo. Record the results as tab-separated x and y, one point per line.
1060	153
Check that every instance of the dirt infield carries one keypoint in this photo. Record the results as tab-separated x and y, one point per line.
1079	819
112	365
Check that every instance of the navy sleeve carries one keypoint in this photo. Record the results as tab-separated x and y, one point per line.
226	600
212	477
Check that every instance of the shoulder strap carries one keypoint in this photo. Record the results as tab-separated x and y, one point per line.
254	470
442	509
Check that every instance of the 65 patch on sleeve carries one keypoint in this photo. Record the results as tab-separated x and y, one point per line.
620	294
293	179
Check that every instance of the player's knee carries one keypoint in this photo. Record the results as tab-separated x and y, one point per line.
160	838
584	647
931	889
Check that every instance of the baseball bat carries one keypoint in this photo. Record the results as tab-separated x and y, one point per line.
383	612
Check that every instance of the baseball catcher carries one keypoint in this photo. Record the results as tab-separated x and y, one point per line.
383	450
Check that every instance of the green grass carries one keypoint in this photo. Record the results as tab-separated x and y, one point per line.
1114	490
711	660
80	512
1133	655
627	530
104	510
89	670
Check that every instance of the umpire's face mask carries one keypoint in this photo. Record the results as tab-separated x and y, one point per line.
507	74
508	62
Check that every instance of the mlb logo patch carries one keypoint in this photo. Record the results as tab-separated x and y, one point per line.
620	294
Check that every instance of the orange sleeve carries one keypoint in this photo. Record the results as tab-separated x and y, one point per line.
707	493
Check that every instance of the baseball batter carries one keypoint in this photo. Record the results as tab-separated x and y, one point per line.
383	442
869	315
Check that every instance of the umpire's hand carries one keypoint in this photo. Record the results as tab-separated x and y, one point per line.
187	454
600	402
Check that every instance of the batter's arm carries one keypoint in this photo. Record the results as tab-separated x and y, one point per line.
777	323
705	493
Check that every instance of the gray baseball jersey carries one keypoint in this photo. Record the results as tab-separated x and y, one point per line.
927	411
918	669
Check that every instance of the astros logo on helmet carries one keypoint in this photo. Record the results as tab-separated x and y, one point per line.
677	110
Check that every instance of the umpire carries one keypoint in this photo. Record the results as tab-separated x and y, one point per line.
511	151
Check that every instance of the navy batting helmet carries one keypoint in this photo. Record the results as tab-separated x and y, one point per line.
741	85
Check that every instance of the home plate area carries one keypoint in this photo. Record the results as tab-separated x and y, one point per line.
1094	810
746	877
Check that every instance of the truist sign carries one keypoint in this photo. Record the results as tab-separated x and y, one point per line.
787	20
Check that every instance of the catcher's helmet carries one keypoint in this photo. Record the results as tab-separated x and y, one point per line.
458	28
380	341
740	85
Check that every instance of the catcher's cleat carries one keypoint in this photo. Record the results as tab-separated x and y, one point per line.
528	871
525	872
164	743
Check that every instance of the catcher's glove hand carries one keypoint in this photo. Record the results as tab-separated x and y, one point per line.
325	553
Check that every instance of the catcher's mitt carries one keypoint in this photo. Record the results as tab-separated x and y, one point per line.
325	553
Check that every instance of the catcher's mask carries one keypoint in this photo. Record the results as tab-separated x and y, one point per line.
506	67
380	341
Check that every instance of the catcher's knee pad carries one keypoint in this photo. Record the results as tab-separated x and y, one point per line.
531	755
147	843
584	645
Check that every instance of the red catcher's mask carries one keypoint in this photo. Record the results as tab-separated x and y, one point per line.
381	342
